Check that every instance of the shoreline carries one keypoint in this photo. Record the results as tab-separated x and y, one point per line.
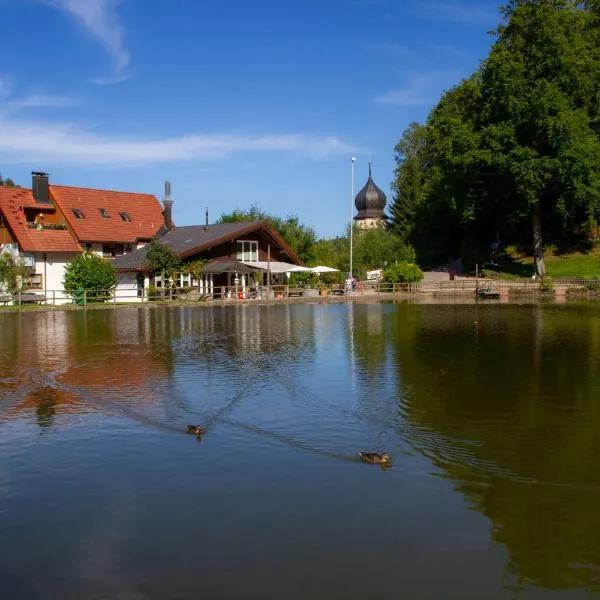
438	298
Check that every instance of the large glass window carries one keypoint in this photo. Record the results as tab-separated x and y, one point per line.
247	251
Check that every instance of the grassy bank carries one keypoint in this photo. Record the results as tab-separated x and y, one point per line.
581	265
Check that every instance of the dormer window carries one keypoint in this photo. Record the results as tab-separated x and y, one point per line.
78	213
104	213
125	217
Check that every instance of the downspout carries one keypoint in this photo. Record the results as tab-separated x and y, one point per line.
45	279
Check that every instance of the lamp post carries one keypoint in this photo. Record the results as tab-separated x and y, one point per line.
352	216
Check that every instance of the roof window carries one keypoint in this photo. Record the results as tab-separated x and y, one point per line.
79	213
125	217
104	213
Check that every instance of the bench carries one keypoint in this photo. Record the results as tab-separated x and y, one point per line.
30	298
4	299
295	292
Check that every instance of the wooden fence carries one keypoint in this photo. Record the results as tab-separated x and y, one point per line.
464	287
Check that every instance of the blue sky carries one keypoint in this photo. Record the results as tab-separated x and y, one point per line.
236	102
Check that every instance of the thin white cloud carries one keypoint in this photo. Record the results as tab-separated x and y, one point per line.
100	19
459	11
25	141
421	90
42	101
10	102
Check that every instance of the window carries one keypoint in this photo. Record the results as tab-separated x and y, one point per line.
247	251
88	246
104	213
112	250
35	282
125	217
78	213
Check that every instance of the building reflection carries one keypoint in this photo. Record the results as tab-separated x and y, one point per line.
62	362
507	409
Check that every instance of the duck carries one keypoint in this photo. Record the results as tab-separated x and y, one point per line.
195	429
375	458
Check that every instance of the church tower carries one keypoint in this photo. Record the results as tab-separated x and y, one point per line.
370	203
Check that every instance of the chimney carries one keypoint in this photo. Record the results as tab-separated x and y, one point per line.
206	221
39	187
168	205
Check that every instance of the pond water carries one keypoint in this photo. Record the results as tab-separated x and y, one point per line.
491	414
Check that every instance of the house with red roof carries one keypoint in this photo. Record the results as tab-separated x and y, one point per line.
48	225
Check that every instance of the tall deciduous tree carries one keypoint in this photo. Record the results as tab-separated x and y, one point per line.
541	84
517	143
14	275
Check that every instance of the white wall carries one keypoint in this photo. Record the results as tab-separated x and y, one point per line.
53	273
126	290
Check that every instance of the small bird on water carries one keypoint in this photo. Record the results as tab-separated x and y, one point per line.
197	430
375	458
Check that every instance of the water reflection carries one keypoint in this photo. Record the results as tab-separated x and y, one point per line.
511	416
58	362
494	407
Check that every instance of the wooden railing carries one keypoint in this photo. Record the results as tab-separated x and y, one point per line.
465	287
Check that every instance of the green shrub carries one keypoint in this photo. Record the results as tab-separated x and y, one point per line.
547	284
403	272
90	272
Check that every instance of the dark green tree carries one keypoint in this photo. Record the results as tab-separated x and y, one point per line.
162	259
541	83
515	149
92	273
410	180
375	248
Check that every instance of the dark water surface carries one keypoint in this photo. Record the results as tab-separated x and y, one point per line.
492	415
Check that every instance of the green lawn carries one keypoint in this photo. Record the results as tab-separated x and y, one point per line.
558	266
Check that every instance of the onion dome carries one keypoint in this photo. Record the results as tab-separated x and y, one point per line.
370	201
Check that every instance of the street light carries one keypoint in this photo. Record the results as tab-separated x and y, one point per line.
352	215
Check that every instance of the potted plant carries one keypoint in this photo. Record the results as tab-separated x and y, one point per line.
323	289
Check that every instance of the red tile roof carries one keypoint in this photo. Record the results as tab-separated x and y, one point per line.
33	240
144	209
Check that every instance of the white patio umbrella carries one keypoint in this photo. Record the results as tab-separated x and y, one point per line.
299	270
324	270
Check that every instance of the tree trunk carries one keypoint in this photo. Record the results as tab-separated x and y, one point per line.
538	249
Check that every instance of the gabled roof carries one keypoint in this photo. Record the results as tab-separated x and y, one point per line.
30	239
144	210
193	239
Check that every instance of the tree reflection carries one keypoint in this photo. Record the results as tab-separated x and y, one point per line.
368	339
511	406
45	400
